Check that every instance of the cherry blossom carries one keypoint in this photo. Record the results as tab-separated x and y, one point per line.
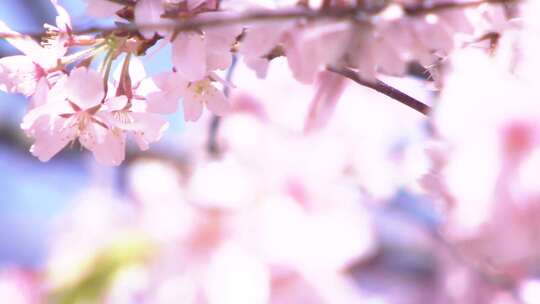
70	113
195	55
21	73
195	96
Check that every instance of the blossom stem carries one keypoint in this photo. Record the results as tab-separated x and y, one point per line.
106	66
384	88
84	54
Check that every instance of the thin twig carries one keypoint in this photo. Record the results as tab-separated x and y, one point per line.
383	88
441	6
212	147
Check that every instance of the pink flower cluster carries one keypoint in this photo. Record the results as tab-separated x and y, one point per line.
70	100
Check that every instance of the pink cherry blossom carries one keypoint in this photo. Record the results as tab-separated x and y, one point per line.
130	117
196	54
200	93
127	110
307	48
171	88
329	90
149	12
195	95
70	113
20	74
259	41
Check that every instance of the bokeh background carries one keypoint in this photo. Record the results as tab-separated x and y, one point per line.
403	260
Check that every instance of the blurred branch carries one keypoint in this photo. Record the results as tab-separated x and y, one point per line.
338	13
441	6
384	88
212	146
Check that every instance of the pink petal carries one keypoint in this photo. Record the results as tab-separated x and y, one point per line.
259	65
216	101
330	87
18	74
218	60
302	62
192	108
84	87
219	42
388	58
148	12
40	96
63	21
220	38
163	102
107	146
151	128
308	49
170	81
172	86
189	55
116	103
192	4
26	44
261	39
51	105
50	139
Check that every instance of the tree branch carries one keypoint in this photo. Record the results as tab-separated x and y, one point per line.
383	88
266	15
441	6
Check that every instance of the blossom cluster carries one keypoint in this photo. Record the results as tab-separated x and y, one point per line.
72	100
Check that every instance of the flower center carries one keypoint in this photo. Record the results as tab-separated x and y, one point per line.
201	86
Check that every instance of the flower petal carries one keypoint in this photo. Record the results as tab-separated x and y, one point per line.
50	139
148	12
163	102
18	75
192	108
63	21
150	128
84	87
216	101
107	145
189	55
24	43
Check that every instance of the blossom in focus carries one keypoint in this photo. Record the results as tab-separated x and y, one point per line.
195	96
73	113
21	73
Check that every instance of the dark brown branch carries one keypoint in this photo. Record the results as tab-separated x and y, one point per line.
384	88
